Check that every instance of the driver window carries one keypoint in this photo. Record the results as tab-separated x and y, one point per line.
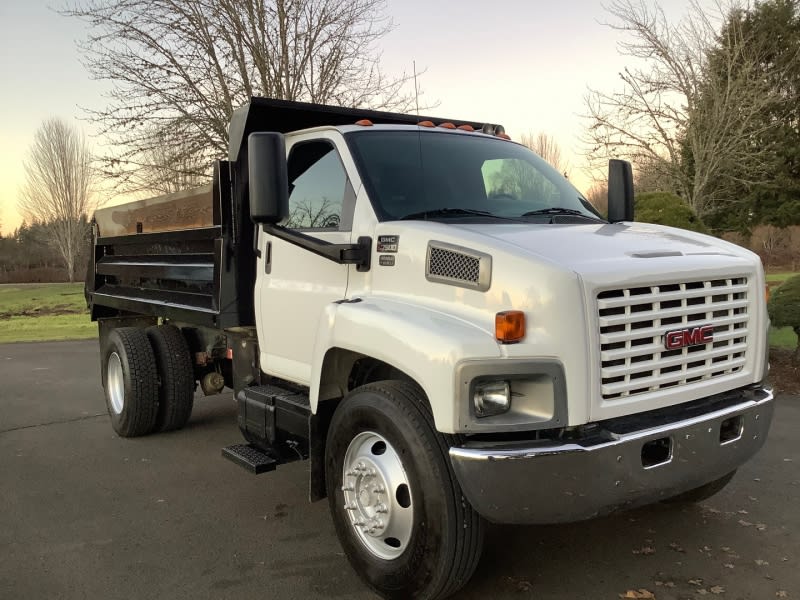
318	187
518	179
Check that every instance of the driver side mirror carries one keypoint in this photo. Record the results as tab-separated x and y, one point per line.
269	178
620	191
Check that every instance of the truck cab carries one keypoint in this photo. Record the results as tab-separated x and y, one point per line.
444	326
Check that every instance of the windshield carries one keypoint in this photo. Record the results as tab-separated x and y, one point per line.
433	175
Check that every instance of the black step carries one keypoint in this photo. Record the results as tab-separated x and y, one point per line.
251	458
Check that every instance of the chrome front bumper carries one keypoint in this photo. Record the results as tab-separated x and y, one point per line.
512	482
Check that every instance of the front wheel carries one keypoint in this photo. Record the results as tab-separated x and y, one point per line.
398	510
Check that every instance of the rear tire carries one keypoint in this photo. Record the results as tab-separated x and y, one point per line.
130	382
704	492
409	531
175	376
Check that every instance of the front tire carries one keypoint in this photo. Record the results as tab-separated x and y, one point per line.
397	507
130	382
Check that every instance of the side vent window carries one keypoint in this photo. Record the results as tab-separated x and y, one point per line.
462	267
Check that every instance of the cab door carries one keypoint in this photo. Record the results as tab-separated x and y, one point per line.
293	285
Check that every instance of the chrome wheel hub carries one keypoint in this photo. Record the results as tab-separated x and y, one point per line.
377	495
115	383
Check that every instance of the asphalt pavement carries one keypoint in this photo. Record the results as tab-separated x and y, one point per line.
86	514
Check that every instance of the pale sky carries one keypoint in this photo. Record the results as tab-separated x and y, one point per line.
524	63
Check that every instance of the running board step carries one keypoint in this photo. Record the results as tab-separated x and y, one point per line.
251	458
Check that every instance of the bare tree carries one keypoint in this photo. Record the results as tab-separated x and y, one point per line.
163	168
182	67
648	177
772	244
57	190
314	214
690	122
546	146
598	196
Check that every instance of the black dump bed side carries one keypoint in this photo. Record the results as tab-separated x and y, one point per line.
190	256
190	274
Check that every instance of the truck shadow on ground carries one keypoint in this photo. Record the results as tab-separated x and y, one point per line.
672	551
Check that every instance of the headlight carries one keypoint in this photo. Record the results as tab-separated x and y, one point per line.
492	398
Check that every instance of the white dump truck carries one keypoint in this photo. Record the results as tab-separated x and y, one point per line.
441	324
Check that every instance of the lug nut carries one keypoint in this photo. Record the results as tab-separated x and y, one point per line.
348	488
381	508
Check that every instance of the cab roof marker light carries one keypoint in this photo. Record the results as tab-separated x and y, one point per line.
426	124
447	126
466	128
364	123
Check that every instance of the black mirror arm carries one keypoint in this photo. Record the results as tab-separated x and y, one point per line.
345	254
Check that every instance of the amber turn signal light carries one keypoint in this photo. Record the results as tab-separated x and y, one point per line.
509	326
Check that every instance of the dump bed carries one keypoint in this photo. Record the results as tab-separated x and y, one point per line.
173	256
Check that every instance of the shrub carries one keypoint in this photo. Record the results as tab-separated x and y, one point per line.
665	208
784	308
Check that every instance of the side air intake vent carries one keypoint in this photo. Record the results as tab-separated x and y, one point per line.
459	266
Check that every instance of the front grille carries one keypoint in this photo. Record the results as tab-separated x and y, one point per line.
633	321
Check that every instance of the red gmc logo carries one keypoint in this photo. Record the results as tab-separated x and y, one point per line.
680	338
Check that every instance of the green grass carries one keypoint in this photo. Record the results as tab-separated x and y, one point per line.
16	297
39	312
782	337
779	277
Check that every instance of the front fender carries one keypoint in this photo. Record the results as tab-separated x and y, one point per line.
422	342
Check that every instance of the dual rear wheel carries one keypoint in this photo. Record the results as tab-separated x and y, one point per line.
148	380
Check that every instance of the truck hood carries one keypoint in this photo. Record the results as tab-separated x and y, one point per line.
600	247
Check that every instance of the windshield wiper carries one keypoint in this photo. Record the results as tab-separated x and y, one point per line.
452	212
557	211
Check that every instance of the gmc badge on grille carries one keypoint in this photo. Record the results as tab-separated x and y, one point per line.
691	336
